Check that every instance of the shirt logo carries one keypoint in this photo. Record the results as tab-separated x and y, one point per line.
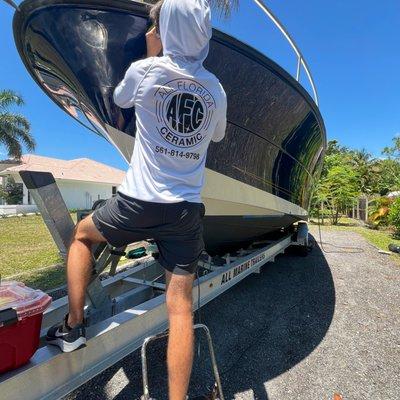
184	111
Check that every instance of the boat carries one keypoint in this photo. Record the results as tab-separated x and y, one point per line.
259	179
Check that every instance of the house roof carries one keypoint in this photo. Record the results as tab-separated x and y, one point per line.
10	161
80	169
4	164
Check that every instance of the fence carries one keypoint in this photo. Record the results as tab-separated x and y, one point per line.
360	209
17	209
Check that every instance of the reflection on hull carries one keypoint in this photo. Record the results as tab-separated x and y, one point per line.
78	52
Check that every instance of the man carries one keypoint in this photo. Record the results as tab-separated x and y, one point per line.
180	107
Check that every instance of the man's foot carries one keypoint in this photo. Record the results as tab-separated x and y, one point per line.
66	338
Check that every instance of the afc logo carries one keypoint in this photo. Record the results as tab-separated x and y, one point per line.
184	110
185	113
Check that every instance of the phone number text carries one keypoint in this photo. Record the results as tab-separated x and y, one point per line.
177	153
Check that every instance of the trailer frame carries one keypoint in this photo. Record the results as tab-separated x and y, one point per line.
124	309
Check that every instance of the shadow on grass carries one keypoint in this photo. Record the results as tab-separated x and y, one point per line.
43	279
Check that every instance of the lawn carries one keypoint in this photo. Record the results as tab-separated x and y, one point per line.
379	238
29	254
26	247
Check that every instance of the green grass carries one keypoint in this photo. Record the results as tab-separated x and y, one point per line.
29	254
25	245
26	248
379	238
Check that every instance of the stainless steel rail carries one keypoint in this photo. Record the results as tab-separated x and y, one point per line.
301	62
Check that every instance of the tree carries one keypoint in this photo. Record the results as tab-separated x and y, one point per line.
11	192
347	173
394	216
334	147
388	179
363	162
226	6
14	128
388	176
338	190
394	151
339	184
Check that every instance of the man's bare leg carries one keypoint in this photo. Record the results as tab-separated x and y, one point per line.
79	267
180	340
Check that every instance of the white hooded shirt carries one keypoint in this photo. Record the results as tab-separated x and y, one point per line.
180	107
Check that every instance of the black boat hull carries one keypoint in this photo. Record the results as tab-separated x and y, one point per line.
259	178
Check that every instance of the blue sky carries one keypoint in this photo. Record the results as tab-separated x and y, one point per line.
352	48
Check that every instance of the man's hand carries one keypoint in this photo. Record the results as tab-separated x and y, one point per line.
153	43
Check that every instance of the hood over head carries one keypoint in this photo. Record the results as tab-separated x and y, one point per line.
185	29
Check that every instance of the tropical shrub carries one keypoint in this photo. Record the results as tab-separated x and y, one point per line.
11	192
379	211
394	216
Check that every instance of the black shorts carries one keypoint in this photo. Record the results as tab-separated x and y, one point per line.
177	228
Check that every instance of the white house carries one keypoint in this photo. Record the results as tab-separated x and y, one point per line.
393	195
81	181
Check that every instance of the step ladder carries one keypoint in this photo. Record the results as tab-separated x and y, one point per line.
217	386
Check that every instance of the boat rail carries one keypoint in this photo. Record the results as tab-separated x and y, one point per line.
301	62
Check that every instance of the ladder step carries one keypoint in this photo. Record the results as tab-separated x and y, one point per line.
146	391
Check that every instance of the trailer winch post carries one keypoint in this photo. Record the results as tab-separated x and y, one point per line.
48	198
44	191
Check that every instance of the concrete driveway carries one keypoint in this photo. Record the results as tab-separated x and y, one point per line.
305	328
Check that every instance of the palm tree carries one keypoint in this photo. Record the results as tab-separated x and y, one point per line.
14	128
363	163
225	6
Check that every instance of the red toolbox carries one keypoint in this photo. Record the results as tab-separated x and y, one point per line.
21	312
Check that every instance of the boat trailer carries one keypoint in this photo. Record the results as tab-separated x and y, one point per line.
125	309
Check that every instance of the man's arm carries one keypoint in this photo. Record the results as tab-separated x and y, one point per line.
125	92
153	43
